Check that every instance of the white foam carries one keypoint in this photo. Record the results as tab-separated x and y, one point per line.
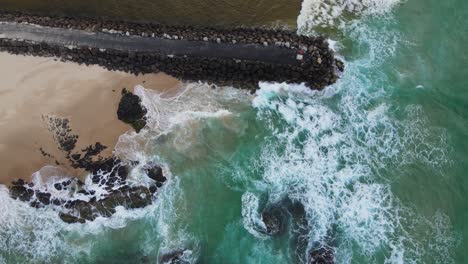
182	115
335	12
28	231
251	217
327	150
193	99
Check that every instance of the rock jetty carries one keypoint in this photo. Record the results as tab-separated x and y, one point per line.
240	57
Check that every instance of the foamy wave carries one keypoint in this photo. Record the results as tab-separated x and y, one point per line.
179	112
29	232
194	99
329	149
335	12
251	217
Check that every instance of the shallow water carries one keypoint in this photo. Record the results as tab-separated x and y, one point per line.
377	160
206	12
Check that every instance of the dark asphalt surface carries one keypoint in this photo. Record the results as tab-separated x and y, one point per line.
79	38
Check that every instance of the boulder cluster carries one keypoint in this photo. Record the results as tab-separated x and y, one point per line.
84	205
77	202
318	69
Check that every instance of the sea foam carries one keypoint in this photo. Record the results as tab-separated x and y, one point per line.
332	13
332	151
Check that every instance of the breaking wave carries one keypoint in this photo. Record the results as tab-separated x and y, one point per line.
336	13
329	151
29	233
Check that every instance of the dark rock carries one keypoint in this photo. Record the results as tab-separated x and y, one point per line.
20	192
43	197
67	218
18	182
85	192
274	218
173	257
155	172
130	198
131	111
56	202
322	254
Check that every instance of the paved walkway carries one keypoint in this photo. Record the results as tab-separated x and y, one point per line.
65	37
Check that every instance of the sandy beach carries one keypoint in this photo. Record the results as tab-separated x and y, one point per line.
88	96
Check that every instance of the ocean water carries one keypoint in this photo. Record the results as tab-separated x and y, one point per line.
271	13
377	160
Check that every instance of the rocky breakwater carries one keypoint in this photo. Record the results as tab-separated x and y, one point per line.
241	56
107	185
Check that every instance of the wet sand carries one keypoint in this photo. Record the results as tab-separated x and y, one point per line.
32	87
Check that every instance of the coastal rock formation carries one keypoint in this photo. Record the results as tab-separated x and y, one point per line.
77	202
174	257
21	192
322	254
84	204
288	215
274	219
128	197
131	111
155	172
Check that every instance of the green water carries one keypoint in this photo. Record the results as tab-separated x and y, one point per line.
205	13
378	161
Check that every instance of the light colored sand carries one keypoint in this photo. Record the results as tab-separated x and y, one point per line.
32	87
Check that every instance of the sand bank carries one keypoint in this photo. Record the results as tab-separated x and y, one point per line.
32	87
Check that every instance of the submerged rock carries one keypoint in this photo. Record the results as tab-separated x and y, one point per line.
322	254
272	221
129	197
173	257
131	111
71	219
44	198
276	217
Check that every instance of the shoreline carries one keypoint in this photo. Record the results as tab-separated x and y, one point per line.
34	88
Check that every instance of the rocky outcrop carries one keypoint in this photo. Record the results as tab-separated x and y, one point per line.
155	172
131	111
76	202
274	219
21	192
129	197
322	254
174	257
290	216
74	210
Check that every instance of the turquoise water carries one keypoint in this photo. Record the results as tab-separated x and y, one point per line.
377	160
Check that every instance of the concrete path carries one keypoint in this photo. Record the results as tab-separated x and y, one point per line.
79	38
